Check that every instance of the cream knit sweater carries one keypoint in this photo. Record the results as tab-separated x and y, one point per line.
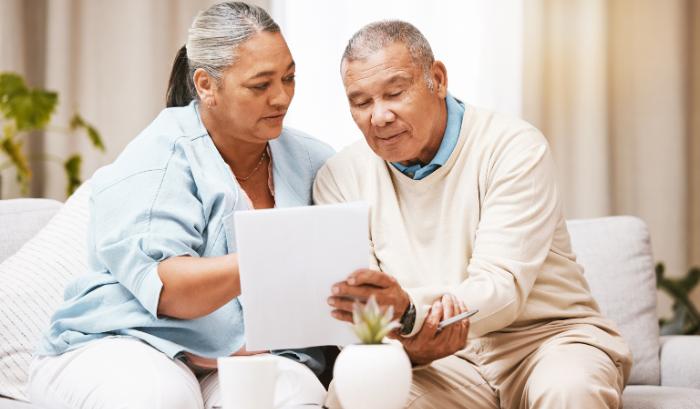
487	226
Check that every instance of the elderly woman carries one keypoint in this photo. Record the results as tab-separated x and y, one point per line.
159	304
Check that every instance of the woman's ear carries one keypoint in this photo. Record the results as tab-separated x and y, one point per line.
205	86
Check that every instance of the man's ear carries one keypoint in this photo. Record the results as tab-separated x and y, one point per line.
438	73
205	86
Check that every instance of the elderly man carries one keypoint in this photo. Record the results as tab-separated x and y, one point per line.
464	211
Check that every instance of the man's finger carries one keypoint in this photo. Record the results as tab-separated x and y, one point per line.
342	303
370	277
393	335
462	307
452	337
343	289
464	333
448	306
342	315
463	329
429	329
446	334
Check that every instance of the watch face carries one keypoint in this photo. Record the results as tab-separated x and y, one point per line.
408	320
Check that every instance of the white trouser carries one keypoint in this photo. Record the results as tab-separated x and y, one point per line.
129	373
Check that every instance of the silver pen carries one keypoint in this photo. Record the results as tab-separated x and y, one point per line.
456	318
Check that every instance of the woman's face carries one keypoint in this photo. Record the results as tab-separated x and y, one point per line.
256	91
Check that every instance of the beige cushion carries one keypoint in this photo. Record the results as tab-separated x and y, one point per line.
616	255
32	282
680	361
660	397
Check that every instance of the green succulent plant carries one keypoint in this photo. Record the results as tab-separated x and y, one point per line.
371	323
24	109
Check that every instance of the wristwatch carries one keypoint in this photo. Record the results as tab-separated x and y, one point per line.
408	319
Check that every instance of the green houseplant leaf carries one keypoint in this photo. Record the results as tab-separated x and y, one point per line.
22	110
13	149
29	108
72	167
686	320
78	122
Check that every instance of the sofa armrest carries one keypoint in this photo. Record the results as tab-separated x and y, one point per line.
680	361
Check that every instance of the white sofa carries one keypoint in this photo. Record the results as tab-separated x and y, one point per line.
615	252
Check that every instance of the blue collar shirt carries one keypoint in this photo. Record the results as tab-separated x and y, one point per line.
170	193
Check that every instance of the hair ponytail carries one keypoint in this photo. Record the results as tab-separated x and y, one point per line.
180	91
211	45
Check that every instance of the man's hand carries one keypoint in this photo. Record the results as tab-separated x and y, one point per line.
428	345
364	284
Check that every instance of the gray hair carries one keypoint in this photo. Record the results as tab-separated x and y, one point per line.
216	33
381	34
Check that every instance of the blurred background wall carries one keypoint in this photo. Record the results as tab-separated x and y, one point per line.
109	59
480	42
613	84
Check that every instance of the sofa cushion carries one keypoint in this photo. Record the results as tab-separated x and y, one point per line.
660	397
21	219
32	287
616	255
680	361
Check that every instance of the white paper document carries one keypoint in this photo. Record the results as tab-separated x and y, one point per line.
289	259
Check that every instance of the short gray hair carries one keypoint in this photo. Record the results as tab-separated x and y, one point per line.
218	30
381	34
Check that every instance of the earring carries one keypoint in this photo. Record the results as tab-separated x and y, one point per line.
209	106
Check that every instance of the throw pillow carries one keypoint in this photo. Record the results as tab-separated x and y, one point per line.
31	287
616	255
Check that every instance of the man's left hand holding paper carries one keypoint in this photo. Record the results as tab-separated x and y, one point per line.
364	284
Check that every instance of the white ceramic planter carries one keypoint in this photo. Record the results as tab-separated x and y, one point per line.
372	377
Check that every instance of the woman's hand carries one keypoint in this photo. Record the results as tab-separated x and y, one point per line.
194	287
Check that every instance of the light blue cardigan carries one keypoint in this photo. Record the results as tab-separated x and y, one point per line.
170	193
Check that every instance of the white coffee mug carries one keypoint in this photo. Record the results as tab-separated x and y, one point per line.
248	382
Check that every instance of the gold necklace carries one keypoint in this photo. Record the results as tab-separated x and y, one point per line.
256	168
